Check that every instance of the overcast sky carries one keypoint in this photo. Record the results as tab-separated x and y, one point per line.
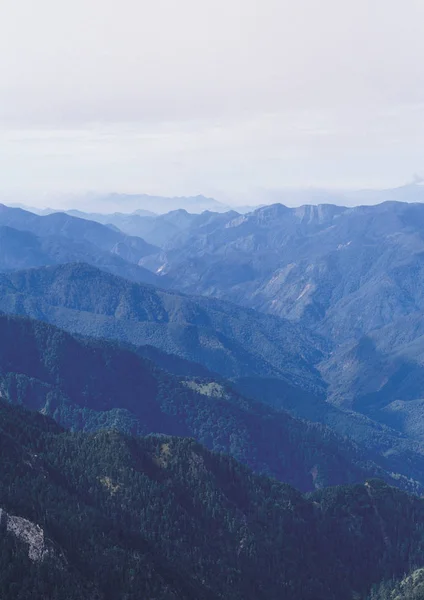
220	97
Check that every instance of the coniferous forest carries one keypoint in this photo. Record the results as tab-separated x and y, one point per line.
211	300
161	445
107	515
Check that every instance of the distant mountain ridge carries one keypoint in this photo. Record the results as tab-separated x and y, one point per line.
160	204
108	203
412	191
22	249
141	204
353	275
81	230
28	240
156	229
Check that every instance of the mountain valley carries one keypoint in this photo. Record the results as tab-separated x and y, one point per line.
196	366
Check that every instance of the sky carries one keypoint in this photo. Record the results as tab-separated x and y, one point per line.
228	98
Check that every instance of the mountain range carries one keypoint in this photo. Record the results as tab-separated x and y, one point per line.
89	384
265	359
290	340
352	275
349	277
29	240
70	228
412	191
139	204
108	516
145	204
157	229
226	338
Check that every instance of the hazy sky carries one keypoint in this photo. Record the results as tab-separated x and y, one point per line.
221	97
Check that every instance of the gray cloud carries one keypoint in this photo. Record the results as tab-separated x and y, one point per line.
191	96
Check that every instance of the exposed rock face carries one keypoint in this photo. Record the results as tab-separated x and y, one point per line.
29	533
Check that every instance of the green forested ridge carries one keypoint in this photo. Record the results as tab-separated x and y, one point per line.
93	384
164	518
391	450
221	337
227	339
120	497
273	360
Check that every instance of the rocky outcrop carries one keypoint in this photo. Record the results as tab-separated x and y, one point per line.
39	547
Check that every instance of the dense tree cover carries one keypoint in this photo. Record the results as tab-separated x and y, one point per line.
163	518
410	587
92	384
390	449
226	338
274	358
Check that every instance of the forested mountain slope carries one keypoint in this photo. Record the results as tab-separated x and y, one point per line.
231	341
353	275
228	339
23	249
108	516
312	263
91	384
62	225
